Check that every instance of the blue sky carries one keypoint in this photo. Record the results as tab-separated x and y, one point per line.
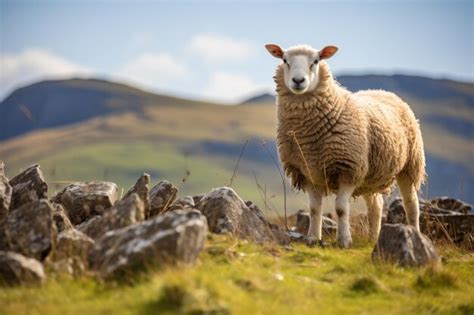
214	50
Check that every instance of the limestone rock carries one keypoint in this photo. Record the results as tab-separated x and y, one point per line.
126	212
60	218
18	269
84	200
303	220
28	186
226	212
172	238
402	244
70	253
182	203
142	189
30	229
162	196
5	195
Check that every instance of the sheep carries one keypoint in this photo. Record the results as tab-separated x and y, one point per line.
332	141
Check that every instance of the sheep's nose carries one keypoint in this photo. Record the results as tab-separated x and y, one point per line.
298	81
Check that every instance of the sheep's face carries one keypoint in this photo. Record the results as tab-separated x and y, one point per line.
301	65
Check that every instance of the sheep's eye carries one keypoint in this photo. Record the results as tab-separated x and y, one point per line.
316	61
284	61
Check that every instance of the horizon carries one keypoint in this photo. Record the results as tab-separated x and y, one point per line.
214	56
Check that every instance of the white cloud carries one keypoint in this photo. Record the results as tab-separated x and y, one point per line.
232	87
218	48
153	70
33	65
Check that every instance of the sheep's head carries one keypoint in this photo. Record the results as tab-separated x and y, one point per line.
301	65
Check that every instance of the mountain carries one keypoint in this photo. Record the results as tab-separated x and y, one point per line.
51	104
94	129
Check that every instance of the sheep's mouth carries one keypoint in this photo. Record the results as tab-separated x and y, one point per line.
298	89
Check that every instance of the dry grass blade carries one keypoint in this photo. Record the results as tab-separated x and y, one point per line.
238	162
282	181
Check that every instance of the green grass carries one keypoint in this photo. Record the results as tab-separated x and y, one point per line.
235	277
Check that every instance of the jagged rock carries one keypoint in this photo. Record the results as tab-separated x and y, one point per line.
126	212
255	209
162	196
404	245
182	203
18	269
197	198
142	189
172	238
70	252
84	200
28	186
30	229
3	236
60	218
440	218
451	204
302	219
226	212
5	194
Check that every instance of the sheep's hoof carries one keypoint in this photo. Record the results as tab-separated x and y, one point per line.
323	244
344	243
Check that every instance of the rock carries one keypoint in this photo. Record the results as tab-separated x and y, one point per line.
18	269
226	212
255	209
172	238
295	237
28	186
4	246
84	200
197	198
452	205
5	196
2	168
162	196
182	203
404	245
440	218
303	220
142	189
70	253
60	218
30	229
126	212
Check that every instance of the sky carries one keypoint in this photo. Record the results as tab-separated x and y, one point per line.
214	50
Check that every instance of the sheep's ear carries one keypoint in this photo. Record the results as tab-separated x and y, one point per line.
327	52
275	50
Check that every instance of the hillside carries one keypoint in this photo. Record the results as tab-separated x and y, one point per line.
80	128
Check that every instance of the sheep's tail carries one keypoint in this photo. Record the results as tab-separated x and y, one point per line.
415	167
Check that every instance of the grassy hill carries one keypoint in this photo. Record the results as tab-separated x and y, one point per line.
92	129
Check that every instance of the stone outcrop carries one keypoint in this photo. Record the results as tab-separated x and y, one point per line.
17	269
173	238
30	229
126	212
84	200
162	195
404	245
28	186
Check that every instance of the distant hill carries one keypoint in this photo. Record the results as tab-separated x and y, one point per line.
94	129
50	104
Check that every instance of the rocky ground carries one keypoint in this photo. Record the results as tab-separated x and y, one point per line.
89	231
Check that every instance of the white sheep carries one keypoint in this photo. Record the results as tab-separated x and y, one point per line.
333	141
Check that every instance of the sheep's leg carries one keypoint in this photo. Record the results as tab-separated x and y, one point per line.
374	204
344	194
315	207
410	200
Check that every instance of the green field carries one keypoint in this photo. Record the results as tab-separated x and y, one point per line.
235	277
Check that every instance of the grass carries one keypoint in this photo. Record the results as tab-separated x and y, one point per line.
236	277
